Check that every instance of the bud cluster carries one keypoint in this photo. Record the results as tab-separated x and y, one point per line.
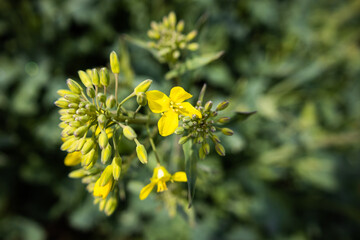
200	130
169	41
90	119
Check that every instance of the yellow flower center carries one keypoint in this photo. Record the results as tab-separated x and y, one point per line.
175	106
160	173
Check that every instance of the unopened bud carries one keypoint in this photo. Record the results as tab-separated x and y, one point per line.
110	206
62	92
141	153
81	131
208	106
215	139
141	99
74	86
90	92
73	105
116	163
103	139
89	158
180	26
191	35
91	107
106	154
67	144
75	124
79	173
62	103
172	19
102	119
110	102
193	46
101	97
201	153
104	77
106	176
206	148
88	146
199	139
184	139
179	130
223	120
221	106
80	144
227	131
85	79
143	86
114	62
95	77
129	133
220	149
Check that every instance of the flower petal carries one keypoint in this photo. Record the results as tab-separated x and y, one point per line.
168	123
179	177
178	95
73	159
158	101
100	191
145	191
188	110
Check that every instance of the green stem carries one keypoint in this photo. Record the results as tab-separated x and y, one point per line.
116	86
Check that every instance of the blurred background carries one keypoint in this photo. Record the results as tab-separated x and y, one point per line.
291	170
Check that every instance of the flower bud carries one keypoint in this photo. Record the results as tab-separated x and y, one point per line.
179	130
199	139
83	119
85	79
221	106
102	204
220	149
73	105
110	206
184	139
106	176
88	146
91	107
202	154
223	120
89	158
81	111
95	77
79	173
90	92
141	153
143	86
72	98
101	97
106	154
141	99
68	131
208	106
215	139
62	92
110	102
180	26
67	144
74	86
129	133
102	119
80	144
227	131
193	46
104	77
75	124
191	35
89	73
206	148
81	131
62	103
116	163
114	62
103	139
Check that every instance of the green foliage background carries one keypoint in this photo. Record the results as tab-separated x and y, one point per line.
291	171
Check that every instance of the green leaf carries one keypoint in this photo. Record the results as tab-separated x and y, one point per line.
241	116
190	168
192	64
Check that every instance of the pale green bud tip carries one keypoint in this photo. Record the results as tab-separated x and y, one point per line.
104	77
223	120
141	99
103	140
227	131
106	154
172	19
220	149
110	101
80	173
208	106
223	105
141	153
95	77
85	79
184	139
143	87
129	133
62	92
116	163
114	62
62	103
74	86
179	130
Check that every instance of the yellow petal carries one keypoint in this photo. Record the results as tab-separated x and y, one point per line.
178	95
161	186
168	123
188	110
179	177
73	159
146	190
158	102
102	191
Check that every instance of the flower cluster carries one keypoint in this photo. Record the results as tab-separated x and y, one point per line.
168	39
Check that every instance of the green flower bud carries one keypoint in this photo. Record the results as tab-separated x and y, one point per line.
221	106
71	111
62	92
172	19
143	86
186	119
72	98
141	99
83	119
215	139
62	103
193	46
95	77
103	139
90	92
85	79
223	120
68	131
220	149
80	144
74	86
179	130
116	163
81	111
153	34
89	158
110	206
67	144
106	175
129	133
184	139
81	131
79	173
101	97
176	54
206	148
63	112
114	62
191	35
75	124
110	102
102	205
106	154
62	125
227	131
141	153
104	77
180	26
73	105
208	106
199	139
88	146
201	153
102	119
90	107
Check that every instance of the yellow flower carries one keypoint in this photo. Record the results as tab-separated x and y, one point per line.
100	191
160	177
170	107
73	159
